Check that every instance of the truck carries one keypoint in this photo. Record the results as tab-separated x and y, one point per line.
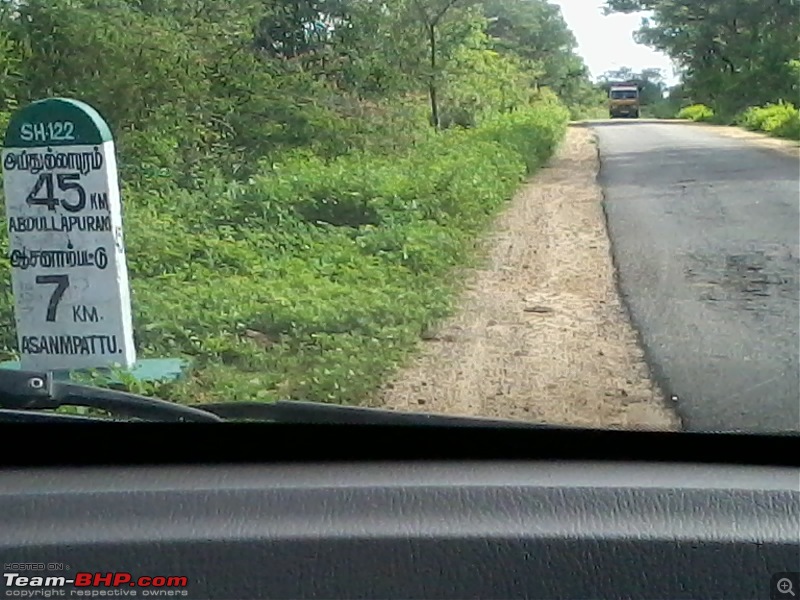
623	100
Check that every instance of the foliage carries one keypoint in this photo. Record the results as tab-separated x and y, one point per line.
739	59
780	120
732	53
665	108
532	134
313	279
536	32
292	221
696	112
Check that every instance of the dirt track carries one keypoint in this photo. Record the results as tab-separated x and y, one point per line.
541	334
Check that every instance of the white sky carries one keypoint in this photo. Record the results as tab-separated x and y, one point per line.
606	43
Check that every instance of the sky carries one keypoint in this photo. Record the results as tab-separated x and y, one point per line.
606	43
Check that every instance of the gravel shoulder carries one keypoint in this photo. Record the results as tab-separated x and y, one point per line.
540	334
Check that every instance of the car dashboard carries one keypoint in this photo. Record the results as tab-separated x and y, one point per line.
407	528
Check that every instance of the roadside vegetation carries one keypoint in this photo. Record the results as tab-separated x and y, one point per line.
779	120
696	112
302	179
740	60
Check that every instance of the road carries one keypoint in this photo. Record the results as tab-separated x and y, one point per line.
705	233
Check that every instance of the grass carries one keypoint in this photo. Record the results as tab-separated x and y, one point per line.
314	278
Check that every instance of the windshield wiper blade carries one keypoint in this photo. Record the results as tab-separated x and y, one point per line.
318	413
24	394
24	391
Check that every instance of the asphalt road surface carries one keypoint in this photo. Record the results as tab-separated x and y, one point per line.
705	231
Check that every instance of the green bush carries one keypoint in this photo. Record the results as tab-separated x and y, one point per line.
533	134
696	112
780	120
662	109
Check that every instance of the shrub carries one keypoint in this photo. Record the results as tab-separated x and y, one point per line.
533	133
781	120
696	112
663	109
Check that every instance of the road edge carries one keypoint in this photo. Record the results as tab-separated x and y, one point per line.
657	376
539	334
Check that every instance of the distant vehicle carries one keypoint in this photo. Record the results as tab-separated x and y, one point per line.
623	101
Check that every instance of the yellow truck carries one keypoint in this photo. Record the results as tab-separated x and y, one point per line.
623	101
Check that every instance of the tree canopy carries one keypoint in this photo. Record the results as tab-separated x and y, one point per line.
732	53
268	74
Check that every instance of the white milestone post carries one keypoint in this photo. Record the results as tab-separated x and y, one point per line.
69	273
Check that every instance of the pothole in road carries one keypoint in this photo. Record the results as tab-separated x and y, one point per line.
748	281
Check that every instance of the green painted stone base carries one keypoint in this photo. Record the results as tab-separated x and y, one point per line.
148	369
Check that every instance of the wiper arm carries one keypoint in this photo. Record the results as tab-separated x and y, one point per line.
318	413
25	391
23	394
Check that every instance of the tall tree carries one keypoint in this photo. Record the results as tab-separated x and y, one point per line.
431	15
535	31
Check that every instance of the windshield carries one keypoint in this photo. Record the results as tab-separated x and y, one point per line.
417	205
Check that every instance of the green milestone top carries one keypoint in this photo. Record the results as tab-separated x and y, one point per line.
56	122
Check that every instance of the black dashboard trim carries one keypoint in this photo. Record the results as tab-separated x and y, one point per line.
158	444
